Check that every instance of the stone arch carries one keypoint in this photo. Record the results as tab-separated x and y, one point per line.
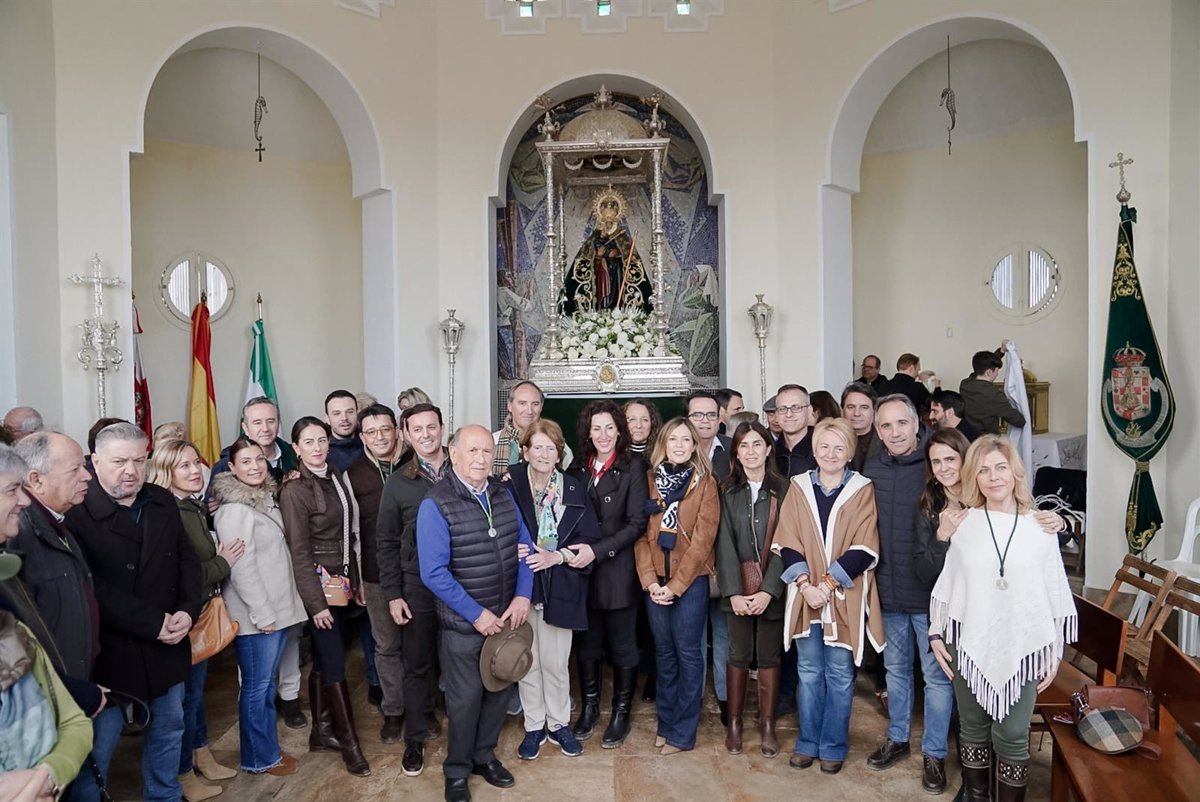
345	103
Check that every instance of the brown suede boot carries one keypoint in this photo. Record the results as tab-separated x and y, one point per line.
320	737
768	697
195	789
337	696
208	766
735	682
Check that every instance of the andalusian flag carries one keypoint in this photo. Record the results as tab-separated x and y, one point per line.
141	387
203	429
262	379
1136	398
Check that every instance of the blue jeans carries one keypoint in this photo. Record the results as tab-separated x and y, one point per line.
106	732
367	638
902	629
195	727
161	741
720	647
258	660
678	648
825	677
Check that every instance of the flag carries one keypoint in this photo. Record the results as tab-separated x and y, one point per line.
141	388
262	380
203	429
1136	400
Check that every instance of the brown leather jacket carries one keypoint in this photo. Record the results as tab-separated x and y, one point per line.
692	557
313	524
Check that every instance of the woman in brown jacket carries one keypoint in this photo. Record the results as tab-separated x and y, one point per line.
320	522
674	560
828	539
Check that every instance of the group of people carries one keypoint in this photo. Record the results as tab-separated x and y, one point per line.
795	548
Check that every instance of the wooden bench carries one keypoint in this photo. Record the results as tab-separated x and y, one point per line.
1101	639
1090	775
1156	583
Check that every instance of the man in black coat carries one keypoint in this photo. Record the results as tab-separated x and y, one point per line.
412	607
147	583
905	382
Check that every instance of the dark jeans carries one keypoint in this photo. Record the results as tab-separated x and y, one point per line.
195	728
366	637
329	646
645	643
258	660
106	731
418	645
616	628
749	631
474	715
678	642
160	746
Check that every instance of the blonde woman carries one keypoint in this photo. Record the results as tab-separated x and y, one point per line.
1000	614
176	465
674	559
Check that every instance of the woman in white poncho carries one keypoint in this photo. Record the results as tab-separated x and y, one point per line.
1000	614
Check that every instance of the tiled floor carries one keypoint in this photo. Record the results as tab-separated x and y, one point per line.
634	772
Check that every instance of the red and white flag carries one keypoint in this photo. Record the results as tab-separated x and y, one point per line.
141	388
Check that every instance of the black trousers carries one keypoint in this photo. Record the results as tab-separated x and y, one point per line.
418	646
474	715
617	629
329	645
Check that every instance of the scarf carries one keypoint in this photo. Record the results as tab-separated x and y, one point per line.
672	482
508	448
597	470
548	506
28	725
1009	637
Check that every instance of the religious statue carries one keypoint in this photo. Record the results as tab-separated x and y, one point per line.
607	272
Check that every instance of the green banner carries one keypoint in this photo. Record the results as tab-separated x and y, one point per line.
1136	399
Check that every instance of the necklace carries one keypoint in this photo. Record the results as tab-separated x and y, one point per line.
1001	583
487	510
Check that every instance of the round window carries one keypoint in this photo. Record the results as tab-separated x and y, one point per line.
1024	283
192	277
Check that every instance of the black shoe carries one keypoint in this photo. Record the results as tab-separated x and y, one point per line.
624	682
457	790
391	730
375	696
495	774
724	708
413	762
831	766
887	755
293	716
933	777
589	683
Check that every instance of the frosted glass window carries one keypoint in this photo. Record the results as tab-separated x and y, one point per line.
187	278
1025	283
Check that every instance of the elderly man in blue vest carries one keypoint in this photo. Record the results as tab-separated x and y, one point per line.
468	530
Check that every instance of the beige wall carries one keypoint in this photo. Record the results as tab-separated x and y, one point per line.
765	84
927	230
286	228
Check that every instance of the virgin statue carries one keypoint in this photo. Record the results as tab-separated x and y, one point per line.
607	272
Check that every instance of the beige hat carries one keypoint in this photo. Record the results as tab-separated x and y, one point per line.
506	657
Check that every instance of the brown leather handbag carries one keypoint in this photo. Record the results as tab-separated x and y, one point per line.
213	631
752	571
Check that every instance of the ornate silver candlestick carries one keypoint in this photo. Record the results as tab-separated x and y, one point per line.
760	314
99	335
452	329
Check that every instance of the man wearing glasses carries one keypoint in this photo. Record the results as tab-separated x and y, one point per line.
366	478
870	373
793	447
704	412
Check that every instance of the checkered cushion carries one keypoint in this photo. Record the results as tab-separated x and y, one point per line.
1110	730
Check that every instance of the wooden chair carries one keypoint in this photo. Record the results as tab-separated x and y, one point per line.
1156	582
1102	637
1184	597
1091	775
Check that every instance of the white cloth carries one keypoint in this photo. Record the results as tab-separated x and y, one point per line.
1014	388
1005	638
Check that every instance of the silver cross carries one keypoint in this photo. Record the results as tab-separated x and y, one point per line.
1123	195
98	281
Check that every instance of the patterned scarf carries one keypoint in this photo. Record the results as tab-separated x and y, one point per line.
507	448
672	482
549	507
28	723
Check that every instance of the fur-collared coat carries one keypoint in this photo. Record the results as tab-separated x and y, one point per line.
261	591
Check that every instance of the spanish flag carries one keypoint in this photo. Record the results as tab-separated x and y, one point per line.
202	408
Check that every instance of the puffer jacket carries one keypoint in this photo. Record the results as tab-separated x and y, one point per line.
899	482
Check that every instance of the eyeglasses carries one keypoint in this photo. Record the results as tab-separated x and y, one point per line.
791	409
381	431
704	415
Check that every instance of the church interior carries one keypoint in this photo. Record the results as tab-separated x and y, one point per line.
396	175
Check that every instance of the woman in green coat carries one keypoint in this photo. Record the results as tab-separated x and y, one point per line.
176	465
750	501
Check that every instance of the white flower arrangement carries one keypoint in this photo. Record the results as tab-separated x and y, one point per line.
611	334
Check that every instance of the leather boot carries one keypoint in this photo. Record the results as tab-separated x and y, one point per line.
320	737
768	698
195	789
1011	781
976	762
735	682
624	681
208	766
337	697
589	684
